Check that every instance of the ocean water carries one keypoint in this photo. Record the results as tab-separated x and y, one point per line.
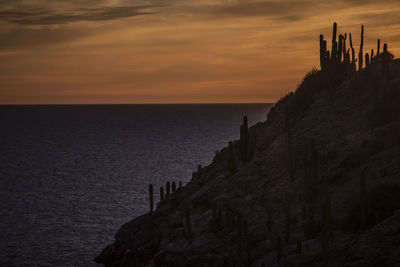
70	176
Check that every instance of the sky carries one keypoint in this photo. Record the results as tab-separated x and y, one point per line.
174	51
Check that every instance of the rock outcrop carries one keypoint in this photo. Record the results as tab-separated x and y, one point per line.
321	188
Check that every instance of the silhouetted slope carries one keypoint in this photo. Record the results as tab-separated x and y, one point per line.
325	174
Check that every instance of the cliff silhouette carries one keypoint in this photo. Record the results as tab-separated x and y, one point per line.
316	184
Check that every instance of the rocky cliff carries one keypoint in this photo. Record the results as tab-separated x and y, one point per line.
316	184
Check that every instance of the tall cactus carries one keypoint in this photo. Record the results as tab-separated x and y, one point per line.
188	227
269	222
340	49
173	187
161	193
252	146
372	56
314	161
199	171
244	140
287	217
344	47
151	198
363	199
322	52
353	57
232	163
289	140
361	54
168	190
334	43
378	45
278	247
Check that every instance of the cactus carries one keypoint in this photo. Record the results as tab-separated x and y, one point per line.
322	52
314	161
180	184
344	47
278	247
327	217
168	190
214	215
199	171
361	54
173	187
188	228
161	193
366	60
363	199
378	47
372	56
232	164
244	140
353	57
151	198
326	233
309	187
289	146
299	247
287	217
269	222
334	43
252	146
340	49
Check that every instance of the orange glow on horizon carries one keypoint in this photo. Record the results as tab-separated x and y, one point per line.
177	52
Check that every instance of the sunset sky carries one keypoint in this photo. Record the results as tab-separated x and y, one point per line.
173	51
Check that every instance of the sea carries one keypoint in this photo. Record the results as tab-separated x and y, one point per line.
71	175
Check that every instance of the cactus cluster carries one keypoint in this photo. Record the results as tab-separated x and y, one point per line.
287	217
247	142
338	59
170	188
289	140
363	200
187	226
233	160
310	179
326	234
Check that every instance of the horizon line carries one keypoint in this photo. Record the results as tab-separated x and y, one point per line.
126	104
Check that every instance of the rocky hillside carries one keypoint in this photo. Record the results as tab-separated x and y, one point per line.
316	184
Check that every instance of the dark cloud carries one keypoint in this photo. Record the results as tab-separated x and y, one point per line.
21	38
283	10
51	17
381	19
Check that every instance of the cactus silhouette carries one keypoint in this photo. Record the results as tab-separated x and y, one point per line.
360	54
353	56
287	217
289	145
232	164
173	187
278	248
322	52
188	227
168	190
334	43
161	193
151	198
363	199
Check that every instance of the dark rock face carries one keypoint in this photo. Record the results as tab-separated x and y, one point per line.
237	218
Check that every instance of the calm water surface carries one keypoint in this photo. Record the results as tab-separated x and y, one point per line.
70	176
